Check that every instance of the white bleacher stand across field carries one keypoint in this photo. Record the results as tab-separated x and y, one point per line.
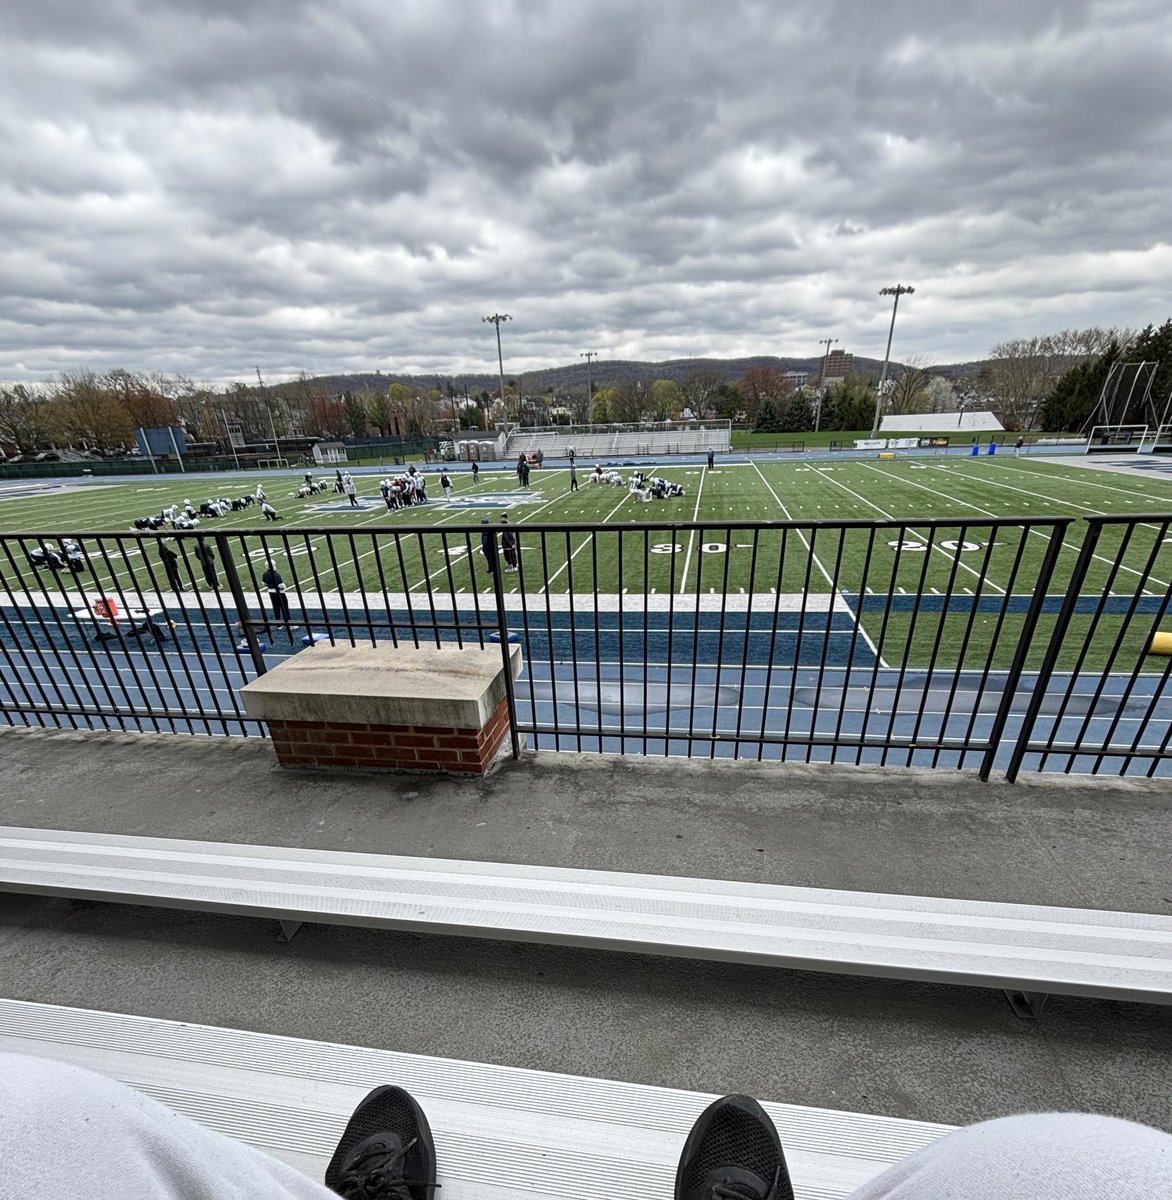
622	441
328	453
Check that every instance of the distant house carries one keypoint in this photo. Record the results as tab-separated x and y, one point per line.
329	453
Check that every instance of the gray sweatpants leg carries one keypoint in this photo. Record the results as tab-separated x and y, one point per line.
1048	1156
68	1132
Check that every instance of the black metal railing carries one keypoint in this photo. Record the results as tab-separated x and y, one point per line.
993	645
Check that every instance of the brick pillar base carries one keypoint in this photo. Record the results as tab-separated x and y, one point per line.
390	747
387	708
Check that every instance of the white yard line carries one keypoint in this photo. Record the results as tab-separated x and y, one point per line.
857	617
692	539
952	557
585	543
1074	549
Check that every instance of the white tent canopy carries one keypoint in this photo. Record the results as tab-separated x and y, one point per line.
942	422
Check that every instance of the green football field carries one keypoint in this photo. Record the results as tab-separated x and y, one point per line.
719	564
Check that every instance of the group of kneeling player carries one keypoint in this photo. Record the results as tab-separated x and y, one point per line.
646	487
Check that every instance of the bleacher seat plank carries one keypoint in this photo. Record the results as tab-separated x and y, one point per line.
499	1131
1027	948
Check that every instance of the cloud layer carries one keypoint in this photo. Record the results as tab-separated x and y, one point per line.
206	186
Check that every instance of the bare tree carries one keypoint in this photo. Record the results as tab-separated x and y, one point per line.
907	391
26	418
701	389
1024	370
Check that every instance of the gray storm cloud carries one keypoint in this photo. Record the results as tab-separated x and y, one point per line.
208	186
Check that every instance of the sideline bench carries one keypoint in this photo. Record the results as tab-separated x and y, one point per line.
1027	950
499	1132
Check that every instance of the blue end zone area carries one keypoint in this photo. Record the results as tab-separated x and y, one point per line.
681	687
826	637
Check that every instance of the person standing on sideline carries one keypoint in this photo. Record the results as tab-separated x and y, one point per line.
171	566
446	484
207	560
351	490
522	470
272	580
488	549
509	545
260	494
540	458
524	474
573	476
475	474
711	459
1017	447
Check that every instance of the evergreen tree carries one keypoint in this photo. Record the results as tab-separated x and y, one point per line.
797	416
768	418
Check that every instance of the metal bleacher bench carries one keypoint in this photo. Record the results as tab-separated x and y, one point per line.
500	1132
1027	950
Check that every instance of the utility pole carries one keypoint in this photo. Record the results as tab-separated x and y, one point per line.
897	291
496	320
589	356
827	342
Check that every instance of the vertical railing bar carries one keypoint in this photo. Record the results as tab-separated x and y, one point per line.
826	635
596	593
751	592
811	554
34	645
1025	637
622	634
130	661
1100	609
882	641
1053	647
573	642
246	625
975	609
921	584
779	593
118	713
529	661
848	671
1124	627
557	733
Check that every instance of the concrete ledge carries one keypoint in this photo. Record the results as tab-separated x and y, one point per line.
385	708
443	687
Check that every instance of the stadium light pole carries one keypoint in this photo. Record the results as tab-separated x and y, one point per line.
827	342
589	356
897	291
496	320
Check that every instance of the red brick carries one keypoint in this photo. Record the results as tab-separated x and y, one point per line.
406	741
372	738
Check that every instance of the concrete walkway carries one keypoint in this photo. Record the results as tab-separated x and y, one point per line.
915	1050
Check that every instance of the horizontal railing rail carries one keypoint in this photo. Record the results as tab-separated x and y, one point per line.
993	644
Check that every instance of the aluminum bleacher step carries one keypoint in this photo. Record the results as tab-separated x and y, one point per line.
1027	950
499	1131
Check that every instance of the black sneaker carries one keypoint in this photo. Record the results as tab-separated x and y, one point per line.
733	1153
386	1151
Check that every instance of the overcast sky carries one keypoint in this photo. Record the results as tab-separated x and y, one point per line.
206	186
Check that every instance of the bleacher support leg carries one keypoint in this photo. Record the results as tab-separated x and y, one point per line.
288	929
1027	1005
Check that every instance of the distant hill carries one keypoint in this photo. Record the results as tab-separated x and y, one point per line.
605	373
